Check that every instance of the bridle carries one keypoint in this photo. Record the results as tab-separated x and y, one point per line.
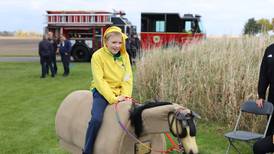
182	121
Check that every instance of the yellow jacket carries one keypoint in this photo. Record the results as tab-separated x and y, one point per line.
111	77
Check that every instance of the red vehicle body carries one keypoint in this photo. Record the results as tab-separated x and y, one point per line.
85	29
163	29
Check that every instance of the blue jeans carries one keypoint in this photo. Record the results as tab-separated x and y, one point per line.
97	112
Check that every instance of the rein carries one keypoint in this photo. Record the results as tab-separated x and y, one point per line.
173	148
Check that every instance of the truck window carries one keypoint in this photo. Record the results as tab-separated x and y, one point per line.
160	26
98	32
187	27
201	27
128	32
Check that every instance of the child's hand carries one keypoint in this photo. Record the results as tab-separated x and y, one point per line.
124	99
121	98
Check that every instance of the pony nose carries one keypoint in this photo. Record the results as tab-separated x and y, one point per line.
191	152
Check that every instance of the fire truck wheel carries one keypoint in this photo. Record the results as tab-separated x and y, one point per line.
81	53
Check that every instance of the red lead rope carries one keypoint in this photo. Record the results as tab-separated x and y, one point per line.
174	145
173	148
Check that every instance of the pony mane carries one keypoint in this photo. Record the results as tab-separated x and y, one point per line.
136	114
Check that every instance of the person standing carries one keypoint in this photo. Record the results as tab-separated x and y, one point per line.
64	49
128	49
54	42
266	79
112	80
45	51
135	47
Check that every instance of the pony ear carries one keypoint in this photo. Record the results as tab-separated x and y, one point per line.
195	115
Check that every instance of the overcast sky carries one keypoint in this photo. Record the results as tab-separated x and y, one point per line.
220	17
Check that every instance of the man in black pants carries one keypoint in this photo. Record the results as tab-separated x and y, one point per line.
264	145
64	49
266	79
54	42
45	51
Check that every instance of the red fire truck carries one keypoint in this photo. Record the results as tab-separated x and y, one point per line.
163	29
85	29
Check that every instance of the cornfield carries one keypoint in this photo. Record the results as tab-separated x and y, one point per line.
212	77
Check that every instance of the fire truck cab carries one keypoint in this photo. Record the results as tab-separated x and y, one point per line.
85	29
163	29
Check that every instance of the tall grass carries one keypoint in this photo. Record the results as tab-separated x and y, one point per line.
212	77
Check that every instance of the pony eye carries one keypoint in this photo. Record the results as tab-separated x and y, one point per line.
184	123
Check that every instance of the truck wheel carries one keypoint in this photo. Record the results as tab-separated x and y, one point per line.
80	53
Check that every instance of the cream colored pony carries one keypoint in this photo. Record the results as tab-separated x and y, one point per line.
74	114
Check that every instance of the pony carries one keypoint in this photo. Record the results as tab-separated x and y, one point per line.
73	115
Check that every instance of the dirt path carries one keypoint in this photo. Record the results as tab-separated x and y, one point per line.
19	59
12	46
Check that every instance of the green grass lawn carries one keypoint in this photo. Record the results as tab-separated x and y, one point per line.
28	106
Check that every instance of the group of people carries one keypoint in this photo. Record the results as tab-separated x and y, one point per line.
49	47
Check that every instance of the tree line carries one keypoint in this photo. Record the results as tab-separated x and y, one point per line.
6	33
19	33
253	27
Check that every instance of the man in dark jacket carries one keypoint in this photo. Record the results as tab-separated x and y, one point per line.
53	40
135	46
64	49
128	49
266	79
45	51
